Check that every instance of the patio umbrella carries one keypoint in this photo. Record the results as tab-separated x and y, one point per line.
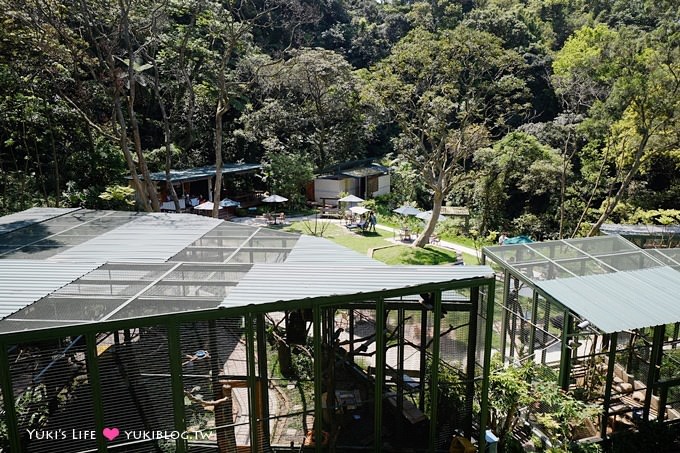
351	199
407	210
359	210
227	203
518	240
274	199
207	206
427	214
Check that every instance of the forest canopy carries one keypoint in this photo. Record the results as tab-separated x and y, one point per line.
546	117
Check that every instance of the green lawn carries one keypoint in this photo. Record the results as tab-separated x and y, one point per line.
358	241
403	254
396	254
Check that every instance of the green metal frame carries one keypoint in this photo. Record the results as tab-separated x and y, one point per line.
380	322
8	400
434	379
486	373
253	314
177	385
95	382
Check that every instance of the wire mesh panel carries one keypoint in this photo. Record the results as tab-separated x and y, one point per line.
134	369
215	371
53	395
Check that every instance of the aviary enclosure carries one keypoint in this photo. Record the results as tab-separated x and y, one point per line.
242	339
602	313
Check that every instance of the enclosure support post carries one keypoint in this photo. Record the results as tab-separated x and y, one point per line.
318	409
253	394
262	372
400	369
423	358
226	438
471	360
351	332
504	313
654	366
8	401
611	360
379	371
486	369
176	383
95	384
532	328
434	381
663	399
565	354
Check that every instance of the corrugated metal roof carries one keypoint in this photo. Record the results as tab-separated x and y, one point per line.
29	217
622	300
640	230
310	250
22	282
267	283
152	238
199	173
370	170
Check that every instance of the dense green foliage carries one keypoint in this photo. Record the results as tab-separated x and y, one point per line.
545	117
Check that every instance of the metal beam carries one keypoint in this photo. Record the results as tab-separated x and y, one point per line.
177	384
8	403
611	360
237	311
318	372
471	362
504	312
565	354
654	366
379	372
95	384
263	377
252	383
486	369
434	380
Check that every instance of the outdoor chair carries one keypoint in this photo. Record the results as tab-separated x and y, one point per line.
282	217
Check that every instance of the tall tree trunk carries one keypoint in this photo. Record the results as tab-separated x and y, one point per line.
167	138
437	201
142	196
624	185
55	162
217	189
152	194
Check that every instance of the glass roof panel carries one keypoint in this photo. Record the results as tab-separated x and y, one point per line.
631	261
47	238
145	306
69	308
670	257
574	257
603	245
555	250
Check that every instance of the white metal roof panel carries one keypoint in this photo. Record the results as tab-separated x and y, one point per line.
268	283
29	217
310	250
23	282
640	230
621	301
152	238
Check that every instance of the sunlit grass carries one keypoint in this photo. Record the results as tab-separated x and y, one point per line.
391	254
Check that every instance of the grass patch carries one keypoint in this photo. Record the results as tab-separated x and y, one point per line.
398	254
357	241
402	254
